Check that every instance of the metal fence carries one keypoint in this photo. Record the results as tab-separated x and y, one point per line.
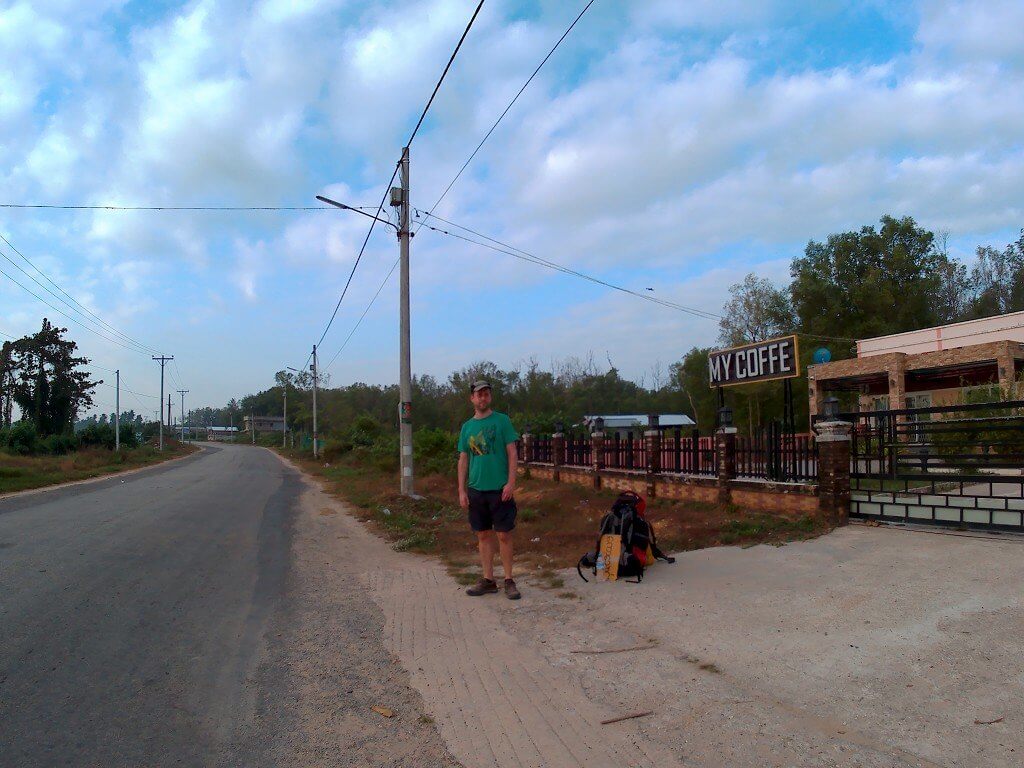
690	455
773	454
957	465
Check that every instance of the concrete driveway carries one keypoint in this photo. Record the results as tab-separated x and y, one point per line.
866	647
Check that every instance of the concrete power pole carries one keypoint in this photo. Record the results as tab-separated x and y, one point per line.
183	392
405	362
316	448
117	412
170	420
163	361
252	424
284	427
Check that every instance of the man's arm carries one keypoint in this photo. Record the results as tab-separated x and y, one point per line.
463	478
513	463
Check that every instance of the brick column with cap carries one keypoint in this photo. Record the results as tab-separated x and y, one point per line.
597	455
725	447
557	454
652	446
833	438
527	439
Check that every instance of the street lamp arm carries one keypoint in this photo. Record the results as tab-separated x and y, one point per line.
344	207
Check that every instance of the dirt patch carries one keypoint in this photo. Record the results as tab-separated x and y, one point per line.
557	522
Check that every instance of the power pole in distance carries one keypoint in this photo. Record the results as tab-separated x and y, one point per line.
284	430
252	424
117	412
183	392
316	449
401	198
170	419
163	361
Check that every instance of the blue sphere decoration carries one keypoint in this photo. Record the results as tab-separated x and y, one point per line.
822	355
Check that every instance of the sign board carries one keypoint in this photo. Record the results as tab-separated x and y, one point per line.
761	361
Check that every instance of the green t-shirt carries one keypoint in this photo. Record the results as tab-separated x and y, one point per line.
484	441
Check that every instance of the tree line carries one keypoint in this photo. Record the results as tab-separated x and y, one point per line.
880	279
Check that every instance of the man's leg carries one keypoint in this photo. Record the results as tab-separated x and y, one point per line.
505	545
486	544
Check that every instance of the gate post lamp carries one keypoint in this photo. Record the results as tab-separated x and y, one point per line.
830	408
725	417
599	424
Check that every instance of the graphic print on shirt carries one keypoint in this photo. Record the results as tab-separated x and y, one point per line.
484	441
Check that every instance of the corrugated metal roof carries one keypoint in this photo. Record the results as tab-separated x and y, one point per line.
619	420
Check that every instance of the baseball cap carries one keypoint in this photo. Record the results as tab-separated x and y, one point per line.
476	386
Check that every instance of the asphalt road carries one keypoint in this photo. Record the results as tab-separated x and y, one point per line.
162	619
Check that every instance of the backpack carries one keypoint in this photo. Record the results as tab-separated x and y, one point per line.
639	550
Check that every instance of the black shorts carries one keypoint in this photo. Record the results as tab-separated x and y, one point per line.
487	511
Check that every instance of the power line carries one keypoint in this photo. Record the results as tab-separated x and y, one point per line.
165	207
518	253
507	108
359	256
443	74
103	323
387	189
69	317
365	311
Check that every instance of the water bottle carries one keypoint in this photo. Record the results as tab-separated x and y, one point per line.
600	565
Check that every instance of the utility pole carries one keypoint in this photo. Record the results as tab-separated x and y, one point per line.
252	424
117	412
170	420
284	431
316	449
163	361
183	392
405	361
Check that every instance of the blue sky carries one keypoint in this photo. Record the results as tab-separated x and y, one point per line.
670	145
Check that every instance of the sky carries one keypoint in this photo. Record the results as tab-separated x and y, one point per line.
668	145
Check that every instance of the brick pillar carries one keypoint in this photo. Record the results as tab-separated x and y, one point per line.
557	454
527	453
833	438
725	446
652	445
1006	369
597	456
897	374
815	396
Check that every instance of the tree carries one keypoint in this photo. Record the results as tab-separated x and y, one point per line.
871	282
756	311
997	280
48	386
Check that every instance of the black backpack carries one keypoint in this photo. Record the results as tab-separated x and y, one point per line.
639	543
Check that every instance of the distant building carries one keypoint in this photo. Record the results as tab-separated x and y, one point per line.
265	423
221	433
927	367
623	423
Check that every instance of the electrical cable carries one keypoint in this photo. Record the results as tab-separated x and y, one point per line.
166	207
509	107
356	264
365	311
70	318
518	253
443	74
380	207
103	323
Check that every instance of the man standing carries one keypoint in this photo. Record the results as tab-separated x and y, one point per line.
487	483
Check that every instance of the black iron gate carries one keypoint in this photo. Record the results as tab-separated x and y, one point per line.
957	465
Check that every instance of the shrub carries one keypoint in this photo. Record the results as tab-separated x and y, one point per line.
434	451
22	438
59	445
99	435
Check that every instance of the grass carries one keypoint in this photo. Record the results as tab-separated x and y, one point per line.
21	473
557	522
